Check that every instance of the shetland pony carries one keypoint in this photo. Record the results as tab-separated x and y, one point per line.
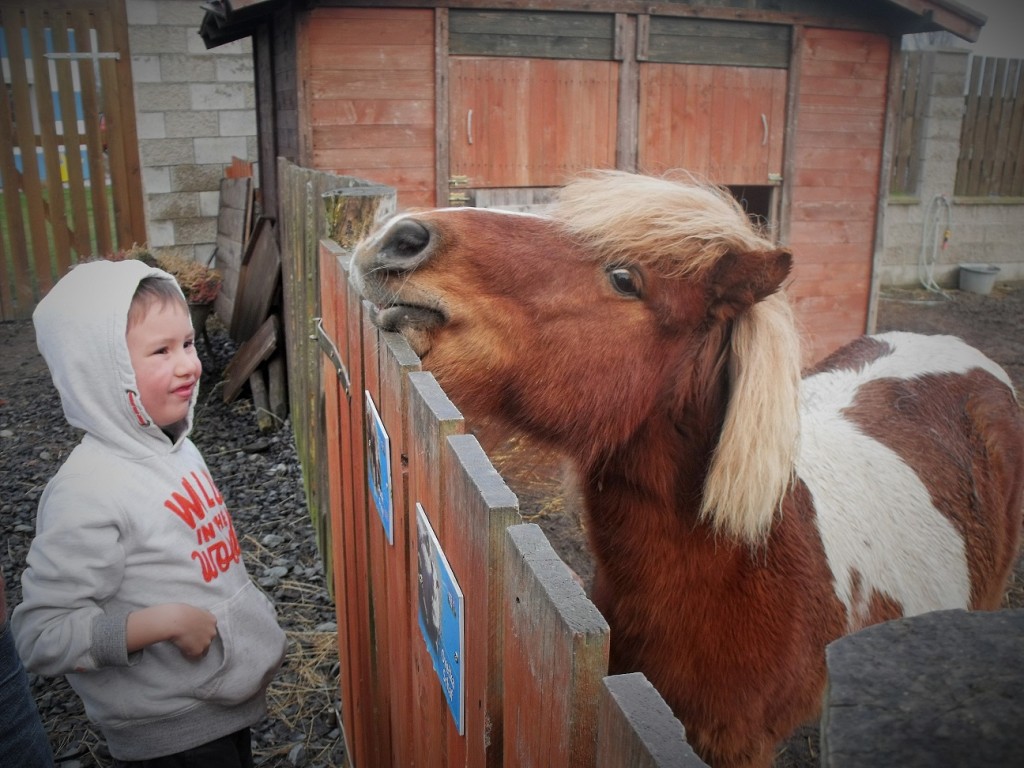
740	517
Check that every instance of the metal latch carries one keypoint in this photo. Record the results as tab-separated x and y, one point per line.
328	348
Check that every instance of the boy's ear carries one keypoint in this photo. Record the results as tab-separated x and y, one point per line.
740	280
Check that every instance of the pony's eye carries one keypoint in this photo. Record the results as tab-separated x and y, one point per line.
624	281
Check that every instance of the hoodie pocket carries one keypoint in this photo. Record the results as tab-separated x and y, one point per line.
248	649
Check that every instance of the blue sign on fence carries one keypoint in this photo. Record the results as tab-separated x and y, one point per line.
378	467
441	619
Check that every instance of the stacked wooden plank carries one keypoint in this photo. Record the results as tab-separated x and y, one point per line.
250	301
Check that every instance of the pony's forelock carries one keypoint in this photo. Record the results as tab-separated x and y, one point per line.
681	226
753	464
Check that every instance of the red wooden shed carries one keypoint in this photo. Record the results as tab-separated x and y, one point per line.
496	102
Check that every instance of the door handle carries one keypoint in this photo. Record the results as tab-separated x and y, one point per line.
469	126
764	125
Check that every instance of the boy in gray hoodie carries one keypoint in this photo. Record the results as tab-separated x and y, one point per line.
135	587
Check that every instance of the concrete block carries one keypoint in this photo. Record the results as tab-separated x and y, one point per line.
204	252
942	688
161	97
161	233
183	68
192	124
234	69
219	150
174	205
158	39
150	125
220	95
156	180
238	122
209	203
146	69
166	151
197	178
184	13
950	62
141	12
198	230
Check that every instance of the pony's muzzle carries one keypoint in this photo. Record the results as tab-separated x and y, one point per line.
403	248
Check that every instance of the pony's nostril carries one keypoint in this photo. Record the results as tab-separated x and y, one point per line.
405	246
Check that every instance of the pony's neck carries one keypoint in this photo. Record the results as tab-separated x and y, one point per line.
655	481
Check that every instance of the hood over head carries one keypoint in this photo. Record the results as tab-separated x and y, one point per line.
81	327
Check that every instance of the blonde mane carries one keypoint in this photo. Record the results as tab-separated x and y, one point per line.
683	227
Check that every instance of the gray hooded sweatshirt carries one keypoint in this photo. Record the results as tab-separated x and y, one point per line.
133	519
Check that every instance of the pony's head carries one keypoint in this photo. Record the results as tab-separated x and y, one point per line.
635	306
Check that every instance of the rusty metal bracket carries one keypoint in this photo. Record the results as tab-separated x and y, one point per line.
328	347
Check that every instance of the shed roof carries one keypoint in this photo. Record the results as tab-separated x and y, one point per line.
225	21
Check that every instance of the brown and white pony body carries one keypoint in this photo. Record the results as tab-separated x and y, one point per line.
741	517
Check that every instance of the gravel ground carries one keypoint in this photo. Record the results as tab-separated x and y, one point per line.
259	476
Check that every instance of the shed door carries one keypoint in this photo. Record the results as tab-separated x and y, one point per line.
724	123
530	122
533	99
712	98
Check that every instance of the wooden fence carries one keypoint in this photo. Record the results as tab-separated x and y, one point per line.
70	184
991	159
909	116
518	676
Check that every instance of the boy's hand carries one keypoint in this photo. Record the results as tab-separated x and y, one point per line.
191	629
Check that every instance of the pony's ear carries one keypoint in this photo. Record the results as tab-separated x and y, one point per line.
740	280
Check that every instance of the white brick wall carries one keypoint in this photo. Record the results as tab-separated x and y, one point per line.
195	110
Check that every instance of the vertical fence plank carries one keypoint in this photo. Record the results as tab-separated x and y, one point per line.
94	141
17	295
556	654
77	223
478	509
31	182
637	728
968	140
991	150
432	419
46	272
339	494
310	201
910	116
1013	169
391	578
119	108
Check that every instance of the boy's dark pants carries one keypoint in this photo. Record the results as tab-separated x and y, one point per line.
231	751
23	741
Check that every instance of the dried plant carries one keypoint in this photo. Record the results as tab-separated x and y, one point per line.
199	283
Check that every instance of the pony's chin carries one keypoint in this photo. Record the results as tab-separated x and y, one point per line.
414	323
399	318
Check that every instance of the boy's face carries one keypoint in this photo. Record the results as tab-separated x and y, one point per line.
167	368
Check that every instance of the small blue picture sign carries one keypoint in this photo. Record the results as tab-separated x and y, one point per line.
441	619
378	467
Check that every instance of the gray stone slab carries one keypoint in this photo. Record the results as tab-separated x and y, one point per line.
940	689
